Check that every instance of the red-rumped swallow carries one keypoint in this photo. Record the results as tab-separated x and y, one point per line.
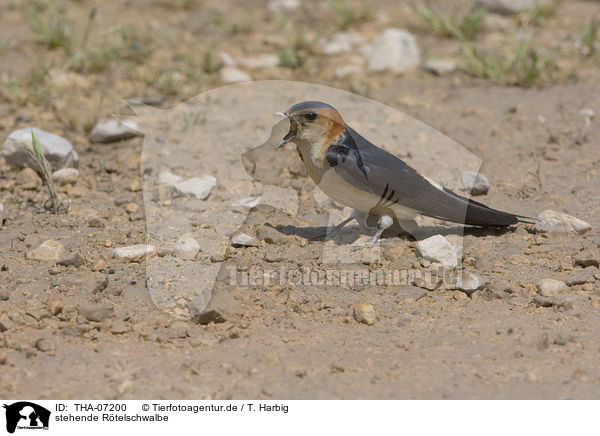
356	173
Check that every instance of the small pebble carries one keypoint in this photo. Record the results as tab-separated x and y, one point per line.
364	313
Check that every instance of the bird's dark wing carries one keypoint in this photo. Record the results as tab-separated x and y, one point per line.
372	169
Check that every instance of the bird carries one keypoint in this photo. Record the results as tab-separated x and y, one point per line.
373	182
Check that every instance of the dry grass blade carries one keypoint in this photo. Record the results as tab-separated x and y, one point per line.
37	153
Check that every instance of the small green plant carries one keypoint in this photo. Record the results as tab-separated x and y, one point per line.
589	37
524	66
51	24
37	154
462	23
297	46
347	15
120	43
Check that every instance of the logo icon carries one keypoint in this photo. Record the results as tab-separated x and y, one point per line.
26	415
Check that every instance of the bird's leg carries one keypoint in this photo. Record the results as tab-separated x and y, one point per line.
334	232
384	223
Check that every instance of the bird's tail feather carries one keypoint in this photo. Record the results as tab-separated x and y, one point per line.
478	214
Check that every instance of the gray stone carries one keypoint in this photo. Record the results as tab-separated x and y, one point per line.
49	250
393	50
541	301
241	239
58	151
232	75
587	258
65	176
550	221
364	313
438	249
469	282
198	187
5	323
513	6
587	275
119	327
440	66
475	183
186	248
551	287
73	259
134	252
95	312
112	130
412	293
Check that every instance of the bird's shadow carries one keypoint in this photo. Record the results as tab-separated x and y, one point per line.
352	233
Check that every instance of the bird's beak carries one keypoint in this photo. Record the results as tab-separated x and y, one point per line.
292	132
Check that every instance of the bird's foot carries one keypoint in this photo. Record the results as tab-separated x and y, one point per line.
384	223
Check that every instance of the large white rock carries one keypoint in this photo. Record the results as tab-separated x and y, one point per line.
134	252
513	6
438	249
393	50
550	221
57	150
48	250
111	130
198	187
186	248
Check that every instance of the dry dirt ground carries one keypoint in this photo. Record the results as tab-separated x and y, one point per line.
294	341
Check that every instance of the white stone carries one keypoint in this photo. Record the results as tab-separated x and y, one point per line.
227	59
244	240
342	42
347	70
111	130
65	176
440	66
470	282
232	75
550	221
58	151
476	183
513	6
134	252
186	248
438	249
393	50
247	202
198	187
283	5
167	178
50	250
551	287
265	60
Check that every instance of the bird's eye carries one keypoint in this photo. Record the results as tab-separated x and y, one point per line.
310	116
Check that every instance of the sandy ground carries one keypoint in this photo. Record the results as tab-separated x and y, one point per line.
287	341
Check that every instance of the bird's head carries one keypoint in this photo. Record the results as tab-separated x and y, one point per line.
312	123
